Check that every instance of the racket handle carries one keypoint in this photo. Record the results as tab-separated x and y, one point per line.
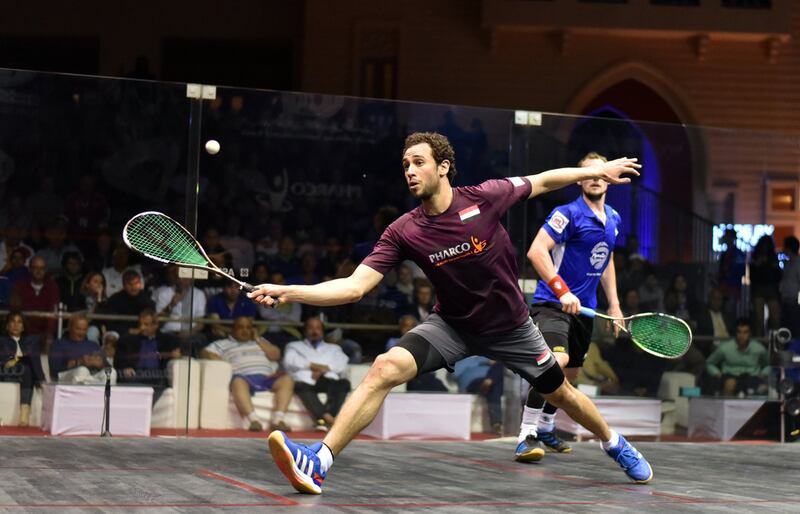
586	311
247	288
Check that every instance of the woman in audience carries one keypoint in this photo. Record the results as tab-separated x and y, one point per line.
93	292
20	362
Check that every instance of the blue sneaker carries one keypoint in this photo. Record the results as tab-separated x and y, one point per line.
553	442
529	450
631	461
298	463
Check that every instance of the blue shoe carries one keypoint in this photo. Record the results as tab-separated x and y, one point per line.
529	450
298	463
631	461
553	442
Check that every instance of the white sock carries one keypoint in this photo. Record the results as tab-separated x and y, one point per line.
530	416
524	431
325	458
278	416
547	422
611	442
252	417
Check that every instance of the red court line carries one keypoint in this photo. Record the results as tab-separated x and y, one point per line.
247	487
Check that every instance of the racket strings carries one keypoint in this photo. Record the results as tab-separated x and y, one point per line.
661	334
160	237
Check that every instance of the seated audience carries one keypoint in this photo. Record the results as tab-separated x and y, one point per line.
480	375
120	264
75	359
57	245
639	372
180	300
255	364
597	371
712	321
230	304
20	362
69	282
284	311
318	367
142	357
651	295
130	301
39	293
424	300
738	366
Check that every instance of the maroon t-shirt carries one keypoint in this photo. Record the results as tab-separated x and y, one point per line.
466	253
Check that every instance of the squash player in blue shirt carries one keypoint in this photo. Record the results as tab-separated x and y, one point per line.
571	253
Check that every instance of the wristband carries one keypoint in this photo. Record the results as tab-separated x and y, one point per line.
558	286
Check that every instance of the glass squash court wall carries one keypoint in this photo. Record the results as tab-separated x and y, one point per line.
301	189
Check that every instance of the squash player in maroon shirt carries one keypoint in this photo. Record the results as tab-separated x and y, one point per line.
456	237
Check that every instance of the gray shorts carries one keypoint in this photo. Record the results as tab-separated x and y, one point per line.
521	349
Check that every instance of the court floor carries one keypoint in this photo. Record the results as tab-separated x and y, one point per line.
43	474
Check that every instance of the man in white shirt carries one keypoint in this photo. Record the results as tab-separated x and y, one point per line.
174	300
255	363
318	367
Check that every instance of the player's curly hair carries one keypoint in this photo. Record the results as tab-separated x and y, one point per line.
440	148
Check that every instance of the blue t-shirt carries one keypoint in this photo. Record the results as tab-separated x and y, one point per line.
242	307
583	249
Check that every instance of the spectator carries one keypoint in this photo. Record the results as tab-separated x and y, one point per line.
255	363
479	375
639	373
308	271
630	303
260	273
142	357
424	301
333	255
732	265
70	281
405	282
13	240
630	274
285	260
229	305
76	351
120	263
241	250
57	245
686	300
739	365
129	302
289	312
651	295
20	362
216	252
765	279
318	367
93	290
790	286
180	300
597	371
17	269
110	340
40	293
712	321
100	255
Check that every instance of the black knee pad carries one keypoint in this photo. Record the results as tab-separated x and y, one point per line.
550	380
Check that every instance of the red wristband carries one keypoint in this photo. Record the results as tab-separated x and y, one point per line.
558	286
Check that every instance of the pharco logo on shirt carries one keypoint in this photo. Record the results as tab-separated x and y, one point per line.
458	251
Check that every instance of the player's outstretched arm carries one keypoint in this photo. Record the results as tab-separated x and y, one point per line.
333	292
610	171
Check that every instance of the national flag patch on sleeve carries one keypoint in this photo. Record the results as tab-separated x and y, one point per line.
469	214
543	358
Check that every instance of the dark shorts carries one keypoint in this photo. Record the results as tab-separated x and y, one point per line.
564	333
260	383
521	349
